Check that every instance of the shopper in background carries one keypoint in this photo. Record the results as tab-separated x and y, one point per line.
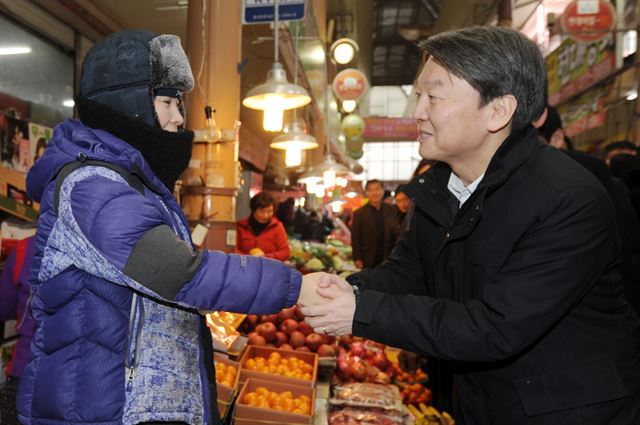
398	221
286	213
261	234
15	303
368	227
117	282
387	198
622	147
510	270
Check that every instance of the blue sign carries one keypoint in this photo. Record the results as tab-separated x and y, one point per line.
260	11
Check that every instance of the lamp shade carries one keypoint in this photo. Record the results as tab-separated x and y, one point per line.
276	92
296	136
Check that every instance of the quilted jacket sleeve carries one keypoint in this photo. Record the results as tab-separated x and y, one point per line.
126	238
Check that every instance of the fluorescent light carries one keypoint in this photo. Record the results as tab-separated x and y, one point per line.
69	103
15	50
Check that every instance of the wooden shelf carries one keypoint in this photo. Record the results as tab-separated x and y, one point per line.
10	205
22	211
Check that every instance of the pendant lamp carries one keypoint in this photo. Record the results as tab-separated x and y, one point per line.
276	94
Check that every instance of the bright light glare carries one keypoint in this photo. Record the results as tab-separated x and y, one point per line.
344	53
349	105
69	103
329	178
15	50
632	96
273	114
320	191
293	157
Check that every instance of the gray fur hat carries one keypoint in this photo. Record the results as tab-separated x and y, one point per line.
124	70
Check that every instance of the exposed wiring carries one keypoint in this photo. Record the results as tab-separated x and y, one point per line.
202	56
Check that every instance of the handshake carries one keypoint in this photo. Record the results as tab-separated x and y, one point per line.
328	303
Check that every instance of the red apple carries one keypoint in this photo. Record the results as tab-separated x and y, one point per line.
267	330
287	313
299	314
303	348
313	341
255	339
326	351
286	347
271	345
305	328
328	339
252	320
273	318
288	326
296	339
281	338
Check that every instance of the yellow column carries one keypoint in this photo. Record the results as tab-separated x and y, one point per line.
214	58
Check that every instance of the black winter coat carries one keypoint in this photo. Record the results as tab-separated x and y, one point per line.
519	290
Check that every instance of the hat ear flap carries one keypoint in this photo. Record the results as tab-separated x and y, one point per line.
169	64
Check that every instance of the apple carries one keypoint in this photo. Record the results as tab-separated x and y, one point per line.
267	330
287	313
303	348
288	326
328	339
273	318
255	339
305	328
313	341
286	347
296	339
326	350
281	338
299	314
252	320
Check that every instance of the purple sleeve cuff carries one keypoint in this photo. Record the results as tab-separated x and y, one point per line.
294	288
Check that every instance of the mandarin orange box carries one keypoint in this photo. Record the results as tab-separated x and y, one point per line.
254	351
225	393
252	415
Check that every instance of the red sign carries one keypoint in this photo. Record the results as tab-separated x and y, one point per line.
391	129
350	84
588	20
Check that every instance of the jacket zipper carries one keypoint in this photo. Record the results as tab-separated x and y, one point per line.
133	359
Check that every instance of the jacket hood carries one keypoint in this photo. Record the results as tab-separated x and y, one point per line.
72	141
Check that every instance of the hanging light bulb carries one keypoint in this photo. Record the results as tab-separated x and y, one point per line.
294	141
329	177
349	105
320	191
343	50
273	113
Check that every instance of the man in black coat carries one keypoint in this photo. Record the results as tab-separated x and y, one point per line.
369	227
510	271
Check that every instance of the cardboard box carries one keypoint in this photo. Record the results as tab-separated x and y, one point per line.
225	393
251	415
256	351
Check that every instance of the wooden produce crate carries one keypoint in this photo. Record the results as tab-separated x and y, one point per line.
254	351
226	393
251	415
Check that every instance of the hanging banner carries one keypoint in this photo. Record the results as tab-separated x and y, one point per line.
391	129
261	11
588	20
574	67
350	84
586	112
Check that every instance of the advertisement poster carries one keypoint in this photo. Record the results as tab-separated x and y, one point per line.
14	145
574	67
39	136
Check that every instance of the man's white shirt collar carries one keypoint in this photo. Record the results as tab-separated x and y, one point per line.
458	189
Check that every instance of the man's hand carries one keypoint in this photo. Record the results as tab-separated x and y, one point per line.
335	316
358	264
409	362
309	294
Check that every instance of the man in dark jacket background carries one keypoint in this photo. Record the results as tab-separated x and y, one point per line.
510	271
368	229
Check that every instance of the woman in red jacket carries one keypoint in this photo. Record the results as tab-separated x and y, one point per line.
262	234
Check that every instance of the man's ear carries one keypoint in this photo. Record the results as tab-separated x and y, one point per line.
501	111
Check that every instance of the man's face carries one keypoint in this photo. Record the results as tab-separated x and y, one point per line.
403	202
375	193
450	123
